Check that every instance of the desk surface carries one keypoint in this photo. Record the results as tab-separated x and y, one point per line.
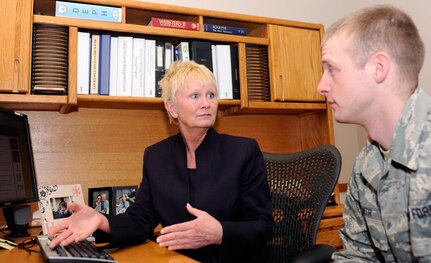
148	252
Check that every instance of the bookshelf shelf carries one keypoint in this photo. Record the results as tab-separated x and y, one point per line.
39	99
147	30
34	102
286	107
122	102
119	102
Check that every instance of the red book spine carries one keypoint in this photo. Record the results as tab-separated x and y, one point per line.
171	23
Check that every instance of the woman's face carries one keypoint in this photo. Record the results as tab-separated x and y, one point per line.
195	105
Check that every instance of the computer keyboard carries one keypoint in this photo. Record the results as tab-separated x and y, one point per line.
76	252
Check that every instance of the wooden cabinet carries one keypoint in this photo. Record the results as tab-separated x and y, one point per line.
277	58
15	46
296	65
15	61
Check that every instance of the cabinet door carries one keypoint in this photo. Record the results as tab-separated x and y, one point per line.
15	45
296	63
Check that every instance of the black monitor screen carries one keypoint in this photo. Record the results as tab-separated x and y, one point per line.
17	176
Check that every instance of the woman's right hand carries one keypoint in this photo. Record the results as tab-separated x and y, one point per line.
80	225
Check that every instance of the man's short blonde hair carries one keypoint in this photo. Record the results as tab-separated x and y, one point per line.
383	28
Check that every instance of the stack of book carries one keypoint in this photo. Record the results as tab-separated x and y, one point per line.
132	66
121	65
190	25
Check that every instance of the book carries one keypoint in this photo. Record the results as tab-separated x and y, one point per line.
214	58
124	69
83	74
138	65
104	64
87	11
224	71
113	67
200	52
94	66
235	71
233	30
169	54
182	52
150	68
160	65
172	23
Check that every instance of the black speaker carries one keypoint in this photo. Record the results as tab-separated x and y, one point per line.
17	219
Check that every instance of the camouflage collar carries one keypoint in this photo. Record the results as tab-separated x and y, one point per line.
405	144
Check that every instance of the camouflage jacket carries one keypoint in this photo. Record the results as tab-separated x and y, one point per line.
388	204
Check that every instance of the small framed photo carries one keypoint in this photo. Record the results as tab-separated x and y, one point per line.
53	201
123	197
100	199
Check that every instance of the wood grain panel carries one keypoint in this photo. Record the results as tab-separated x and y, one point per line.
296	62
104	147
15	43
335	223
330	237
94	147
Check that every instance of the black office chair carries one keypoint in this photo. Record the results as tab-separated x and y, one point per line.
301	184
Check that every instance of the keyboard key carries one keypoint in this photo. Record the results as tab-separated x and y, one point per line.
82	252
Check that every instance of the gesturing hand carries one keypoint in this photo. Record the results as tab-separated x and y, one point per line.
80	225
197	233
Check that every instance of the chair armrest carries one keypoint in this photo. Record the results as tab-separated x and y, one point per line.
319	253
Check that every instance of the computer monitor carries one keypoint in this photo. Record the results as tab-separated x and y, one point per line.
17	175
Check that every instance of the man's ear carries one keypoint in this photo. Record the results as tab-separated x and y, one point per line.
170	107
382	64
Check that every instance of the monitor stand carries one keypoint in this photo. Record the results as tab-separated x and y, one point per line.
17	219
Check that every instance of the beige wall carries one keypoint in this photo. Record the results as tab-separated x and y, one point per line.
348	138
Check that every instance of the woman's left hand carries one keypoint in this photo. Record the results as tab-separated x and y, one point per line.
202	231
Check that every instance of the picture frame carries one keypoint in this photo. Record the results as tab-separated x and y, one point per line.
53	201
123	197
99	198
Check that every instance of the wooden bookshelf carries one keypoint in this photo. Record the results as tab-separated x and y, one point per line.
99	140
290	80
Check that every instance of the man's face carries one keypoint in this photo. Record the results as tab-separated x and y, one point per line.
346	86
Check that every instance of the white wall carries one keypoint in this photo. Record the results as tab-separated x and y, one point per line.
348	138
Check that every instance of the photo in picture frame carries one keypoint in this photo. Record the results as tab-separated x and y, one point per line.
53	201
123	197
100	199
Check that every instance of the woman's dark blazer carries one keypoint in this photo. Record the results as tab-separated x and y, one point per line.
231	185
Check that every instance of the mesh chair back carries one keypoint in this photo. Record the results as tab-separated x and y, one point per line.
301	184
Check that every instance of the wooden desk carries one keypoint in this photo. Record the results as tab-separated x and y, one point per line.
148	252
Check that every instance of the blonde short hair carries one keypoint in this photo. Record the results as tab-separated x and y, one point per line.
383	28
179	72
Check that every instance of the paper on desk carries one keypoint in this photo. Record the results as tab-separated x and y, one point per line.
7	244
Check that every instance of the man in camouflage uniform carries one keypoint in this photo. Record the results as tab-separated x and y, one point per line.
372	60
